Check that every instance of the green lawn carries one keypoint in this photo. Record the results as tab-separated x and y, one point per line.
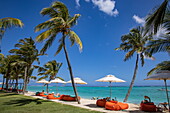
14	103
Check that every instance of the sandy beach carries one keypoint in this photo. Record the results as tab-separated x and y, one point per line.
91	104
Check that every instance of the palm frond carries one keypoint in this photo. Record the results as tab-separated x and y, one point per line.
49	11
129	55
9	22
51	23
161	45
154	20
165	65
45	35
59	48
48	44
61	9
74	36
73	20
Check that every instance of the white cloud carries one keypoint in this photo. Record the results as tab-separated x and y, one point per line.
107	6
87	0
77	2
138	19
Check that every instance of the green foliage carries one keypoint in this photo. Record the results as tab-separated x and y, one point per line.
156	19
165	65
133	42
9	22
60	22
49	70
159	45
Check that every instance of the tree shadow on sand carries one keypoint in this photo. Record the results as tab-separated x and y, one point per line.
24	101
8	94
92	106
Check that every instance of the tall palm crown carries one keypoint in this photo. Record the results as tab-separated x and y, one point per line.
133	42
6	23
26	50
50	69
60	22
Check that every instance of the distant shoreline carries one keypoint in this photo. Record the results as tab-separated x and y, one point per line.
104	86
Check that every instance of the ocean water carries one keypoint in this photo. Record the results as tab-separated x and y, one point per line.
136	96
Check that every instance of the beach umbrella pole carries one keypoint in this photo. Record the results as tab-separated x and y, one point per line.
167	93
47	88
56	89
110	90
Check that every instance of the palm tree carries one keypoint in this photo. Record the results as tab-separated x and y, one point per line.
17	70
6	66
6	23
28	54
60	22
50	69
134	42
2	68
165	65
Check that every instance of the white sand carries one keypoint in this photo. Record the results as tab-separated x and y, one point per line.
91	104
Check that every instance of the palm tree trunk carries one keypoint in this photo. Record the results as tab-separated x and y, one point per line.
25	80
3	81
70	69
133	79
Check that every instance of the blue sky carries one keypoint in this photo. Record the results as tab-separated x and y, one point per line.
100	27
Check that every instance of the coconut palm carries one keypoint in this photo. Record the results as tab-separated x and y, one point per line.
2	68
6	67
165	65
50	69
6	23
132	43
60	22
28	54
17	71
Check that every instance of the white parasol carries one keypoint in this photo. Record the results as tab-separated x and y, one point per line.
161	75
57	80
77	81
45	82
110	79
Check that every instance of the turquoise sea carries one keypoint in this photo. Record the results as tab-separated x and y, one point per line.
136	96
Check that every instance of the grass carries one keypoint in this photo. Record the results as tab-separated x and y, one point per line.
14	103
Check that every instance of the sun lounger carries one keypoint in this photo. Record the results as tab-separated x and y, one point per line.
147	105
116	106
101	102
68	98
51	96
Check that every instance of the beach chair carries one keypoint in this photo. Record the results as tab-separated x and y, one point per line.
116	106
68	98
147	105
101	102
52	96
